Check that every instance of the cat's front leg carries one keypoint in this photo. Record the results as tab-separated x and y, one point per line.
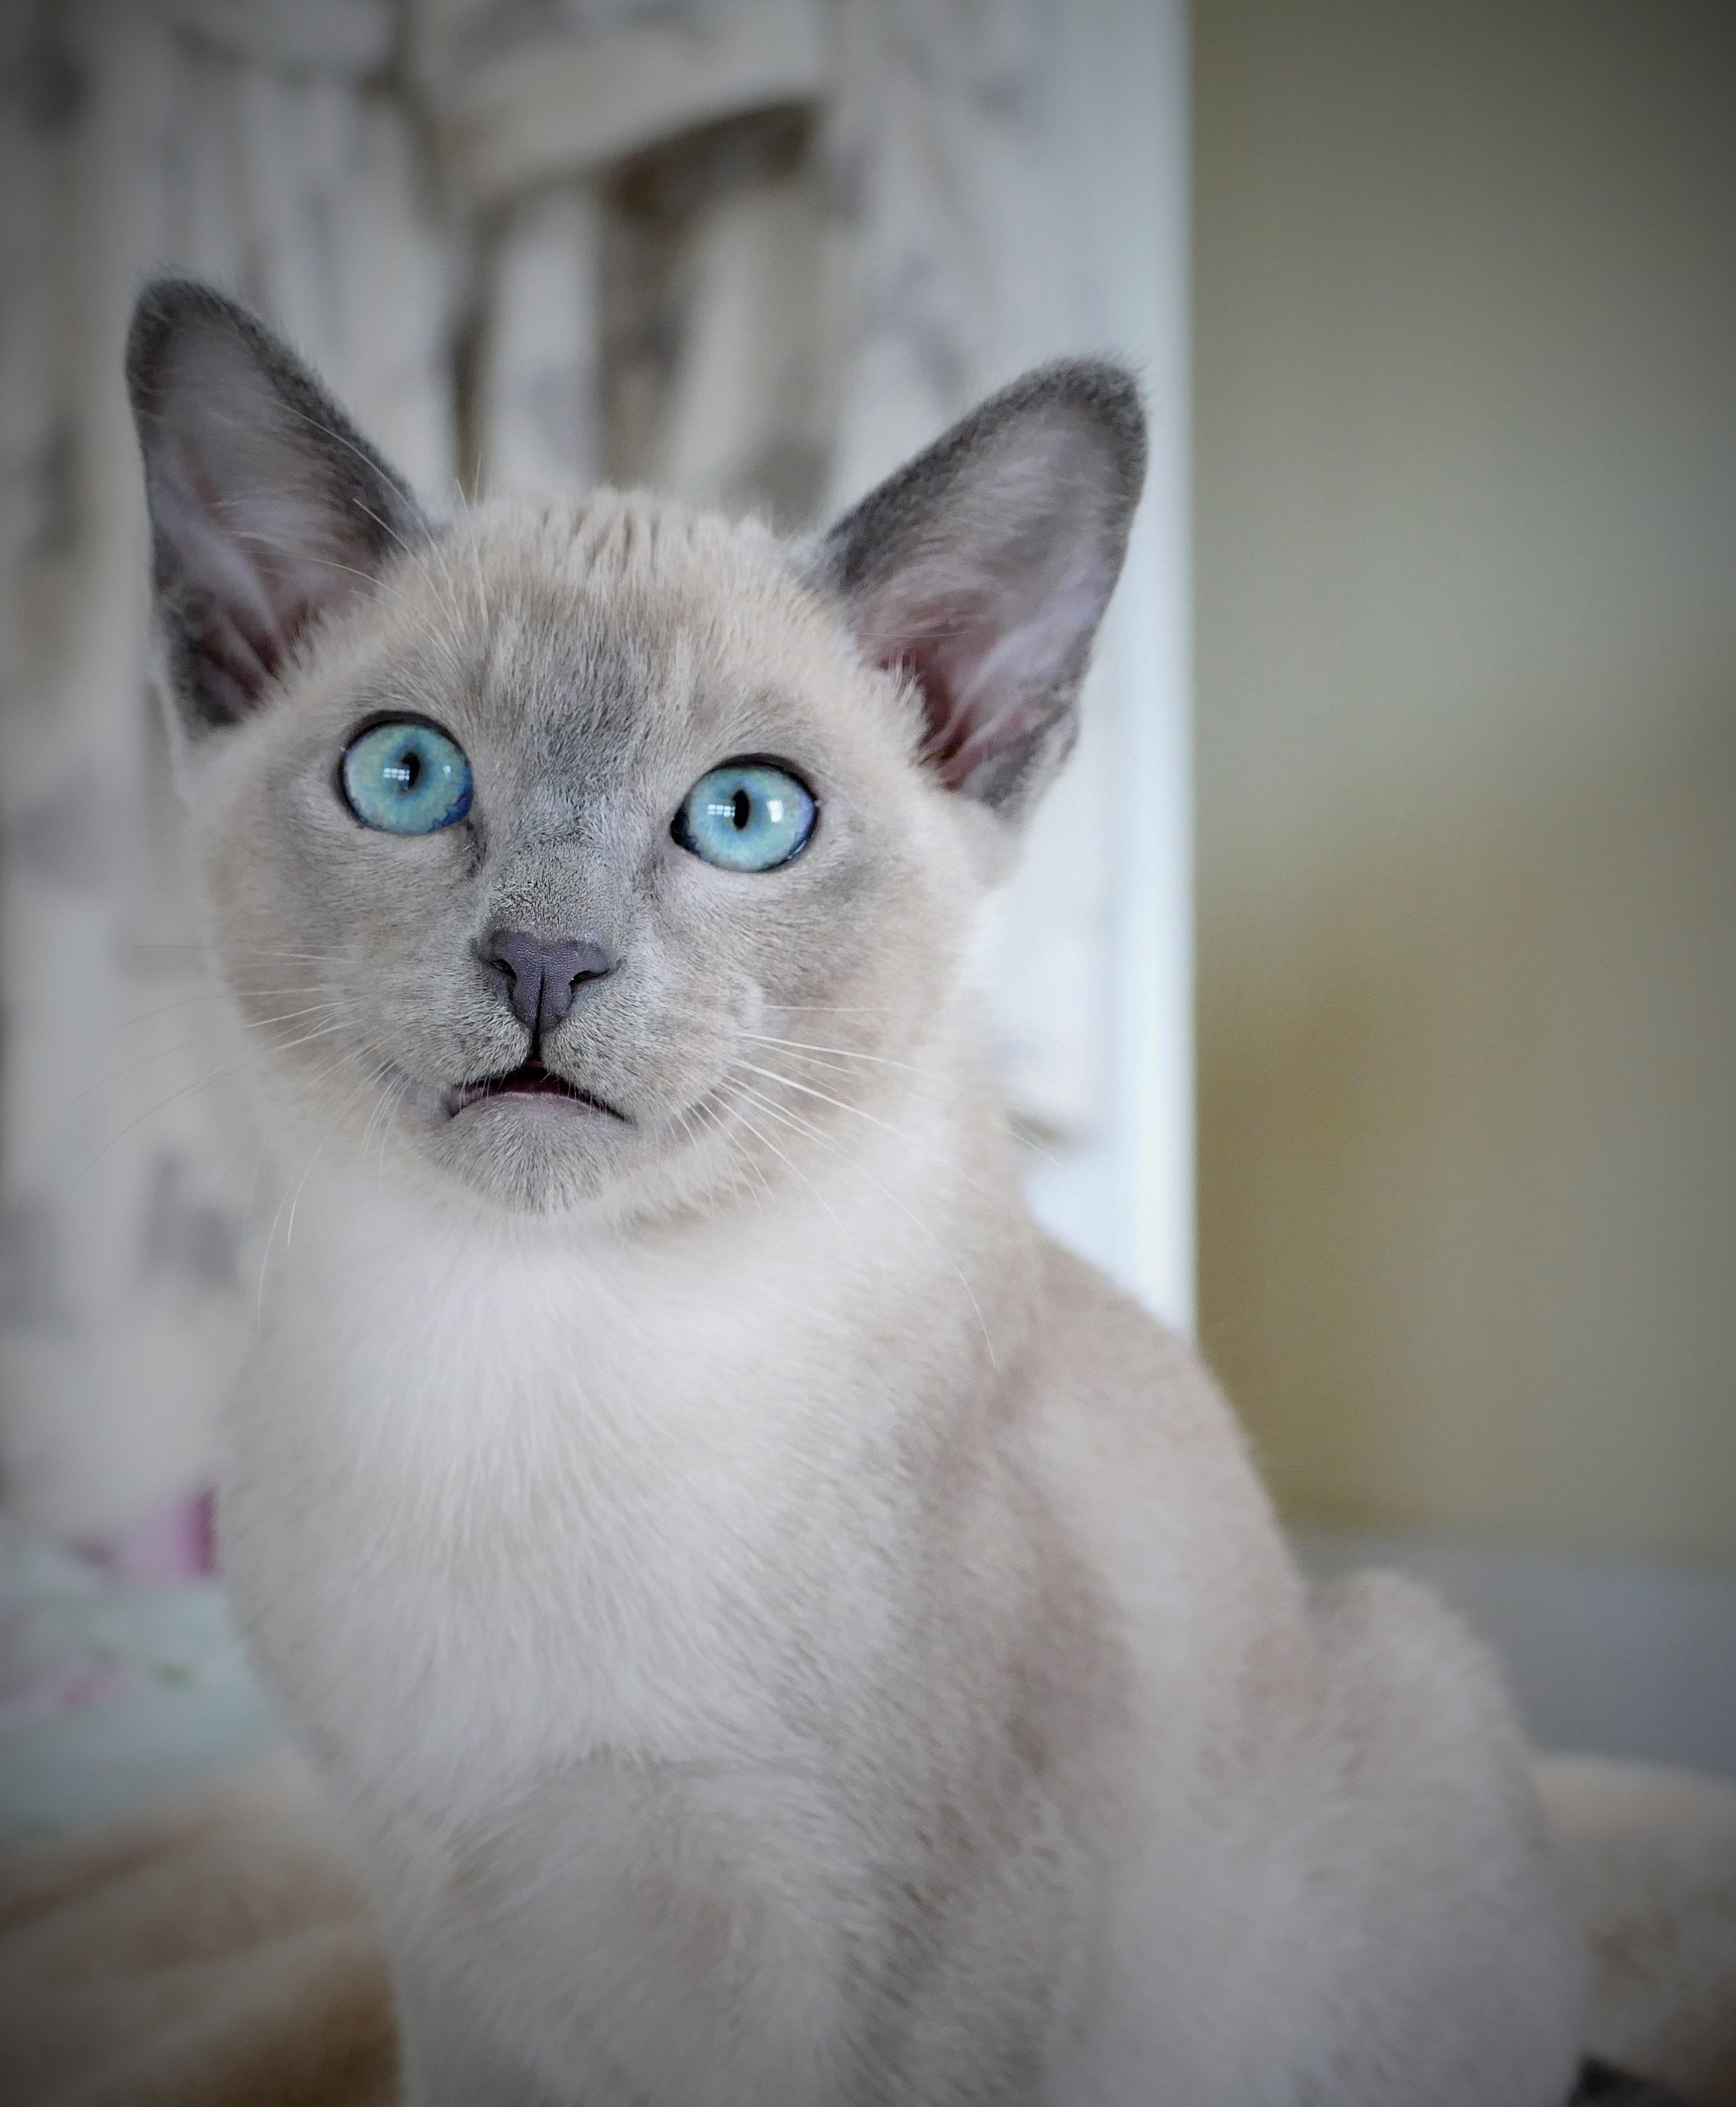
446	2060
664	1932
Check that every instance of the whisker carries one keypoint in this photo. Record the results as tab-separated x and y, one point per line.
861	1170
288	1046
841	1053
182	1046
808	1090
211	994
397	1097
856	1111
739	1157
186	1089
253	950
713	1124
290	1016
834	1008
367	1132
320	1078
144	1016
332	1114
785	1158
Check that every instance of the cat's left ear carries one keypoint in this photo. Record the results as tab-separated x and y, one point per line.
984	566
268	508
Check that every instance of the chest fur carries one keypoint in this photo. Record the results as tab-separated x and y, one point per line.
553	1506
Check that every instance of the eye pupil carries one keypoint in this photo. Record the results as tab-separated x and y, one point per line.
742	808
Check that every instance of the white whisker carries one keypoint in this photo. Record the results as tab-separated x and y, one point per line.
784	1157
861	1170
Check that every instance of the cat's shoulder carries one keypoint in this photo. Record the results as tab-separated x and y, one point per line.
1128	1385
1141	1452
1116	1344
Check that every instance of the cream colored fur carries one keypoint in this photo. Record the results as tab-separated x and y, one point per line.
211	1951
664	1606
775	1630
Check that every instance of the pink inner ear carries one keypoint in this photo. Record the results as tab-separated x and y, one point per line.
985	676
936	663
983	568
946	648
253	569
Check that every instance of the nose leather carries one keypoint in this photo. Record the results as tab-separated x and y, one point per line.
540	980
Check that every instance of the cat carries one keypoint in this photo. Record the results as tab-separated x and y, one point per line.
773	1627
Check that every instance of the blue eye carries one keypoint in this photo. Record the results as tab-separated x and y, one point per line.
746	815
406	778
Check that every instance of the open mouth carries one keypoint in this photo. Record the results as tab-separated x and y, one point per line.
529	1079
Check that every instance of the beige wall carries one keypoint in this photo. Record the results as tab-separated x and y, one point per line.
1466	562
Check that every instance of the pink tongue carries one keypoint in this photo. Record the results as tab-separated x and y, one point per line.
535	1078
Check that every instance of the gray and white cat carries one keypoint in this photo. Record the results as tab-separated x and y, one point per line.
774	1628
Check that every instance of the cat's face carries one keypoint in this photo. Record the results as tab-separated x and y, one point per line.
593	856
590	672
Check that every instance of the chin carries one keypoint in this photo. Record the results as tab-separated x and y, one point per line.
532	1156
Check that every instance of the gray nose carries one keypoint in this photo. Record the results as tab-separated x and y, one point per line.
540	980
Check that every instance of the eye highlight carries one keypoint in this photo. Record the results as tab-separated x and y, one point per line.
404	777
746	815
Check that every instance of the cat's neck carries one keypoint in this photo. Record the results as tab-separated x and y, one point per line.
903	1238
611	1442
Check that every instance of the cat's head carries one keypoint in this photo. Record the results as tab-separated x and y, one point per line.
568	852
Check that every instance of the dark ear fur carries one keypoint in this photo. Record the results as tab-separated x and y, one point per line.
984	566
268	508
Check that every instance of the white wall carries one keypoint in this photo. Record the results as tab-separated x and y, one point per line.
1126	1196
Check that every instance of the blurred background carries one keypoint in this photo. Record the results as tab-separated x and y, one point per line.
1365	1000
1464	448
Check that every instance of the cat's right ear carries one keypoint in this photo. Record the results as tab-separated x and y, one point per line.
268	509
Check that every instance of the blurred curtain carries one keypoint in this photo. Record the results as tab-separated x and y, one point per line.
262	146
751	252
